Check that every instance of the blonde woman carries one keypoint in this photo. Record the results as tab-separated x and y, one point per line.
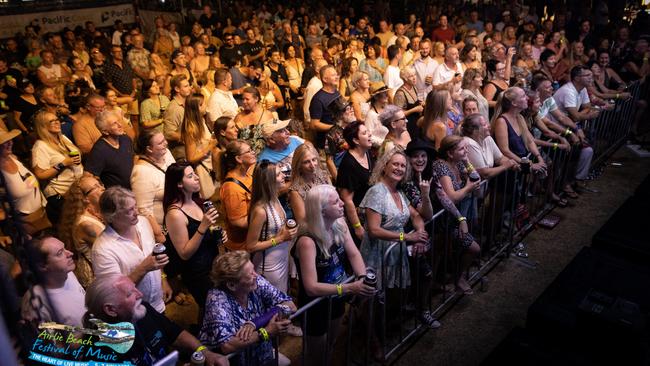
81	224
361	95
55	160
306	173
320	253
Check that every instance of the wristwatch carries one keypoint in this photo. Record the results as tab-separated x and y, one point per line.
59	167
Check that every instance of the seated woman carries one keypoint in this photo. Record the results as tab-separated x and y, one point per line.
321	254
81	223
237	163
387	212
306	172
450	170
188	229
236	305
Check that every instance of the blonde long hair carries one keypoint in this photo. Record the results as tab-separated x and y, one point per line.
297	178
378	171
193	126
315	201
504	104
57	142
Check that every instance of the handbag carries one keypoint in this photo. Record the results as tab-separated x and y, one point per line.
34	222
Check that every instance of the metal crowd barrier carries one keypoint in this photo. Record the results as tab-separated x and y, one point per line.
505	208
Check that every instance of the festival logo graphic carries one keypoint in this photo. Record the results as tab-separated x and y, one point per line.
65	345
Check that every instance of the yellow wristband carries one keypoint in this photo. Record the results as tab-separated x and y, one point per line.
617	95
200	348
555	146
163	276
264	334
339	289
273	242
462	218
357	225
401	236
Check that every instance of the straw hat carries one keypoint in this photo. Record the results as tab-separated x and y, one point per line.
8	135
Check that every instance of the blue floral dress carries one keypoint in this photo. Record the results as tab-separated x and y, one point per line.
378	199
224	316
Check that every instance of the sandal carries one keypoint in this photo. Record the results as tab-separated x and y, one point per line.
559	201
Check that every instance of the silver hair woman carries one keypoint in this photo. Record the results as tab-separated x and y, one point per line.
394	119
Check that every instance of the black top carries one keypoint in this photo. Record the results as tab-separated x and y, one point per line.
113	166
196	270
154	335
328	270
319	109
26	109
251	49
120	77
354	177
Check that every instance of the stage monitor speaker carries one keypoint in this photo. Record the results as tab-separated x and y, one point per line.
599	304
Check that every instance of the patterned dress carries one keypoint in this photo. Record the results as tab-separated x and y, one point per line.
378	199
224	316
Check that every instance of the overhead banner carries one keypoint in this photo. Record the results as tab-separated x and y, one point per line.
56	20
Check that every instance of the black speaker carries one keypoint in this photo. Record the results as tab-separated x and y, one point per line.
599	305
624	234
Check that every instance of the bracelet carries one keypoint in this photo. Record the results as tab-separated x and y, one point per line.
618	95
339	289
555	146
401	236
163	275
200	233
200	348
462	218
264	334
273	242
357	225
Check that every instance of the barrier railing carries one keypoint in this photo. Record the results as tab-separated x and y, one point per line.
506	207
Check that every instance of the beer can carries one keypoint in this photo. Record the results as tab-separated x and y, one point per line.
291	223
159	249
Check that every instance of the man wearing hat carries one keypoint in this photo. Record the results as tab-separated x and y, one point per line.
280	145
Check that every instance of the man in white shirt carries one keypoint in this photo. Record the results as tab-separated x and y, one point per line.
58	297
313	86
572	99
222	103
126	246
449	72
424	68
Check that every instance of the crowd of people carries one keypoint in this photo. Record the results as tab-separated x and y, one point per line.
317	137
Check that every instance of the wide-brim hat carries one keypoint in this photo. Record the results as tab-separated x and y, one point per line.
274	125
417	145
377	87
338	106
8	135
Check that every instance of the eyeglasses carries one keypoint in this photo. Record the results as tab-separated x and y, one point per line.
228	39
97	186
53	120
400	119
246	152
586	75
